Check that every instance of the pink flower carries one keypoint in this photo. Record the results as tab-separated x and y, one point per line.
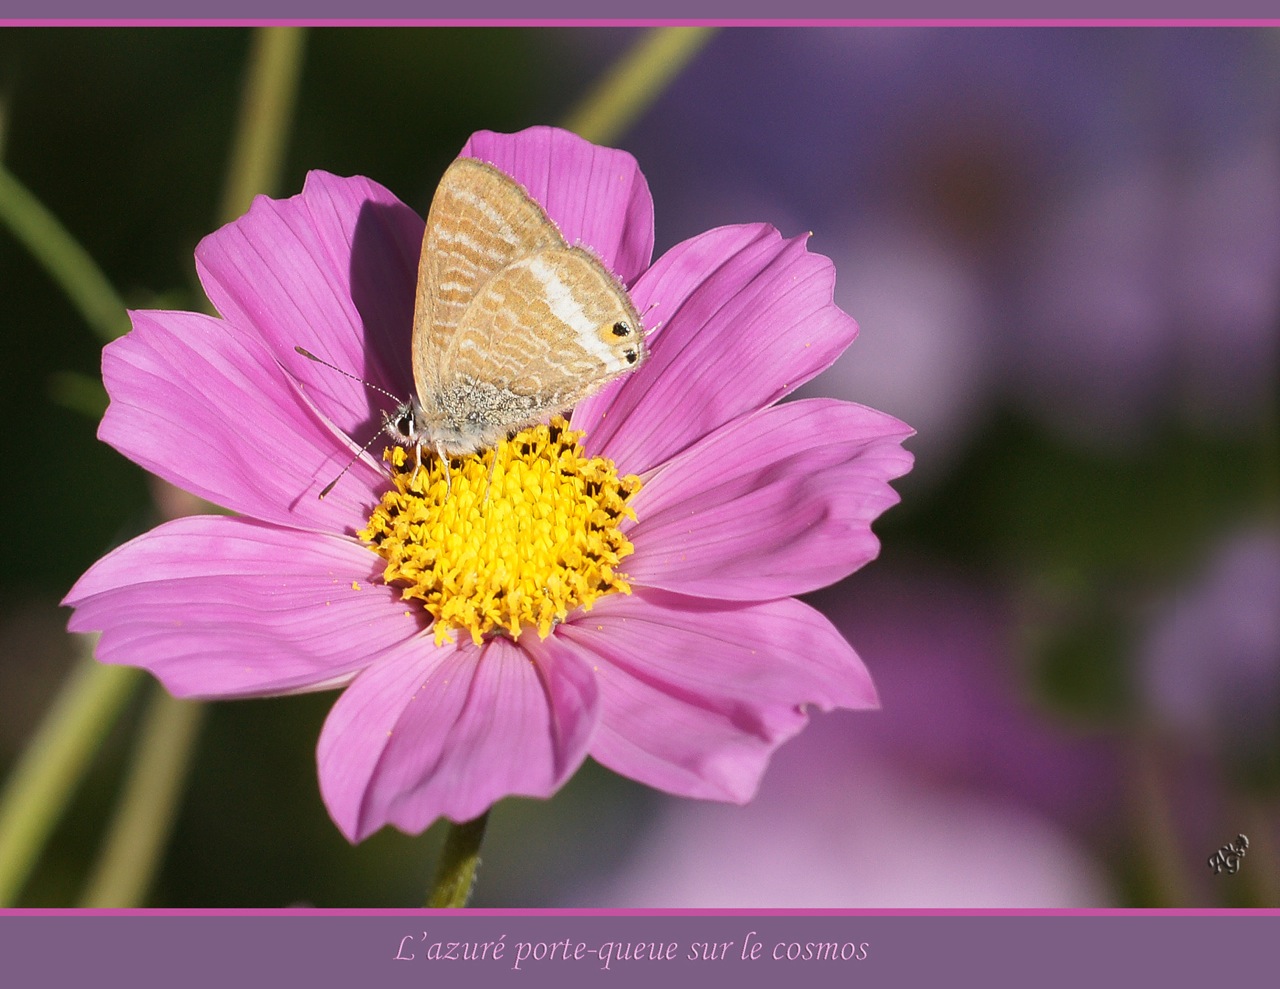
687	683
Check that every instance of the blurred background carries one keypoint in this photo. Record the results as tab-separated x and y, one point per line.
1063	248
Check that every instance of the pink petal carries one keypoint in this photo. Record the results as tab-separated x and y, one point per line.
695	695
211	411
597	196
228	607
746	318
428	732
773	504
334	270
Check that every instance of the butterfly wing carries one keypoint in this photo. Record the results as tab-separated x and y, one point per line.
480	221
540	335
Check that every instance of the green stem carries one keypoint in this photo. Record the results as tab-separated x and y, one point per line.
459	860
1156	837
1269	461
1261	869
54	762
262	131
78	392
5	99
69	264
633	84
144	817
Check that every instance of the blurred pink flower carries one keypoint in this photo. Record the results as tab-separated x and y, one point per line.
688	683
1210	663
926	353
1155	290
859	832
959	708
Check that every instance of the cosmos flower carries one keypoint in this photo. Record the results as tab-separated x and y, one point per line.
619	586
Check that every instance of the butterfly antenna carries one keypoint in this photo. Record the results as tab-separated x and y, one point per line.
350	463
354	377
368	384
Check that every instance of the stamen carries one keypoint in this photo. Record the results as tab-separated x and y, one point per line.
515	537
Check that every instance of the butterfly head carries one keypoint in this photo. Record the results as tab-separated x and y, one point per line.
402	425
416	425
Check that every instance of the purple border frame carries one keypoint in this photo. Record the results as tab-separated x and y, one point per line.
320	948
590	12
18	20
569	948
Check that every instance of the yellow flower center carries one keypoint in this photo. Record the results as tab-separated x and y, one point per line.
520	536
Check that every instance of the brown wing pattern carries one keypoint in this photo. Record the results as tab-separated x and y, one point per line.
544	332
480	221
510	322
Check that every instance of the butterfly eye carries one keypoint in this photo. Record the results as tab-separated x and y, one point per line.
622	329
631	356
403	424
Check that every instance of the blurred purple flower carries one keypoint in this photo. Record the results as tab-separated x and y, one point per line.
1152	288
912	167
856	831
925	348
687	684
1155	293
959	793
957	709
858	123
1112	200
1210	664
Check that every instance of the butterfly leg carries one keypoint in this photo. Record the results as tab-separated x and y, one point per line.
489	483
444	459
417	462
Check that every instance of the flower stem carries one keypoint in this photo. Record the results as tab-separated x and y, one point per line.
459	860
144	816
162	759
635	82
78	392
1155	835
270	92
1262	871
69	264
46	775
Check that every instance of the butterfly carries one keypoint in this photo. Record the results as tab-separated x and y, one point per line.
510	323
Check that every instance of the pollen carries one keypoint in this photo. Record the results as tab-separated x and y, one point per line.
518	536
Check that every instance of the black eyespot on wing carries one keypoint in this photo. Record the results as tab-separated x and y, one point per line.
631	356
621	329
